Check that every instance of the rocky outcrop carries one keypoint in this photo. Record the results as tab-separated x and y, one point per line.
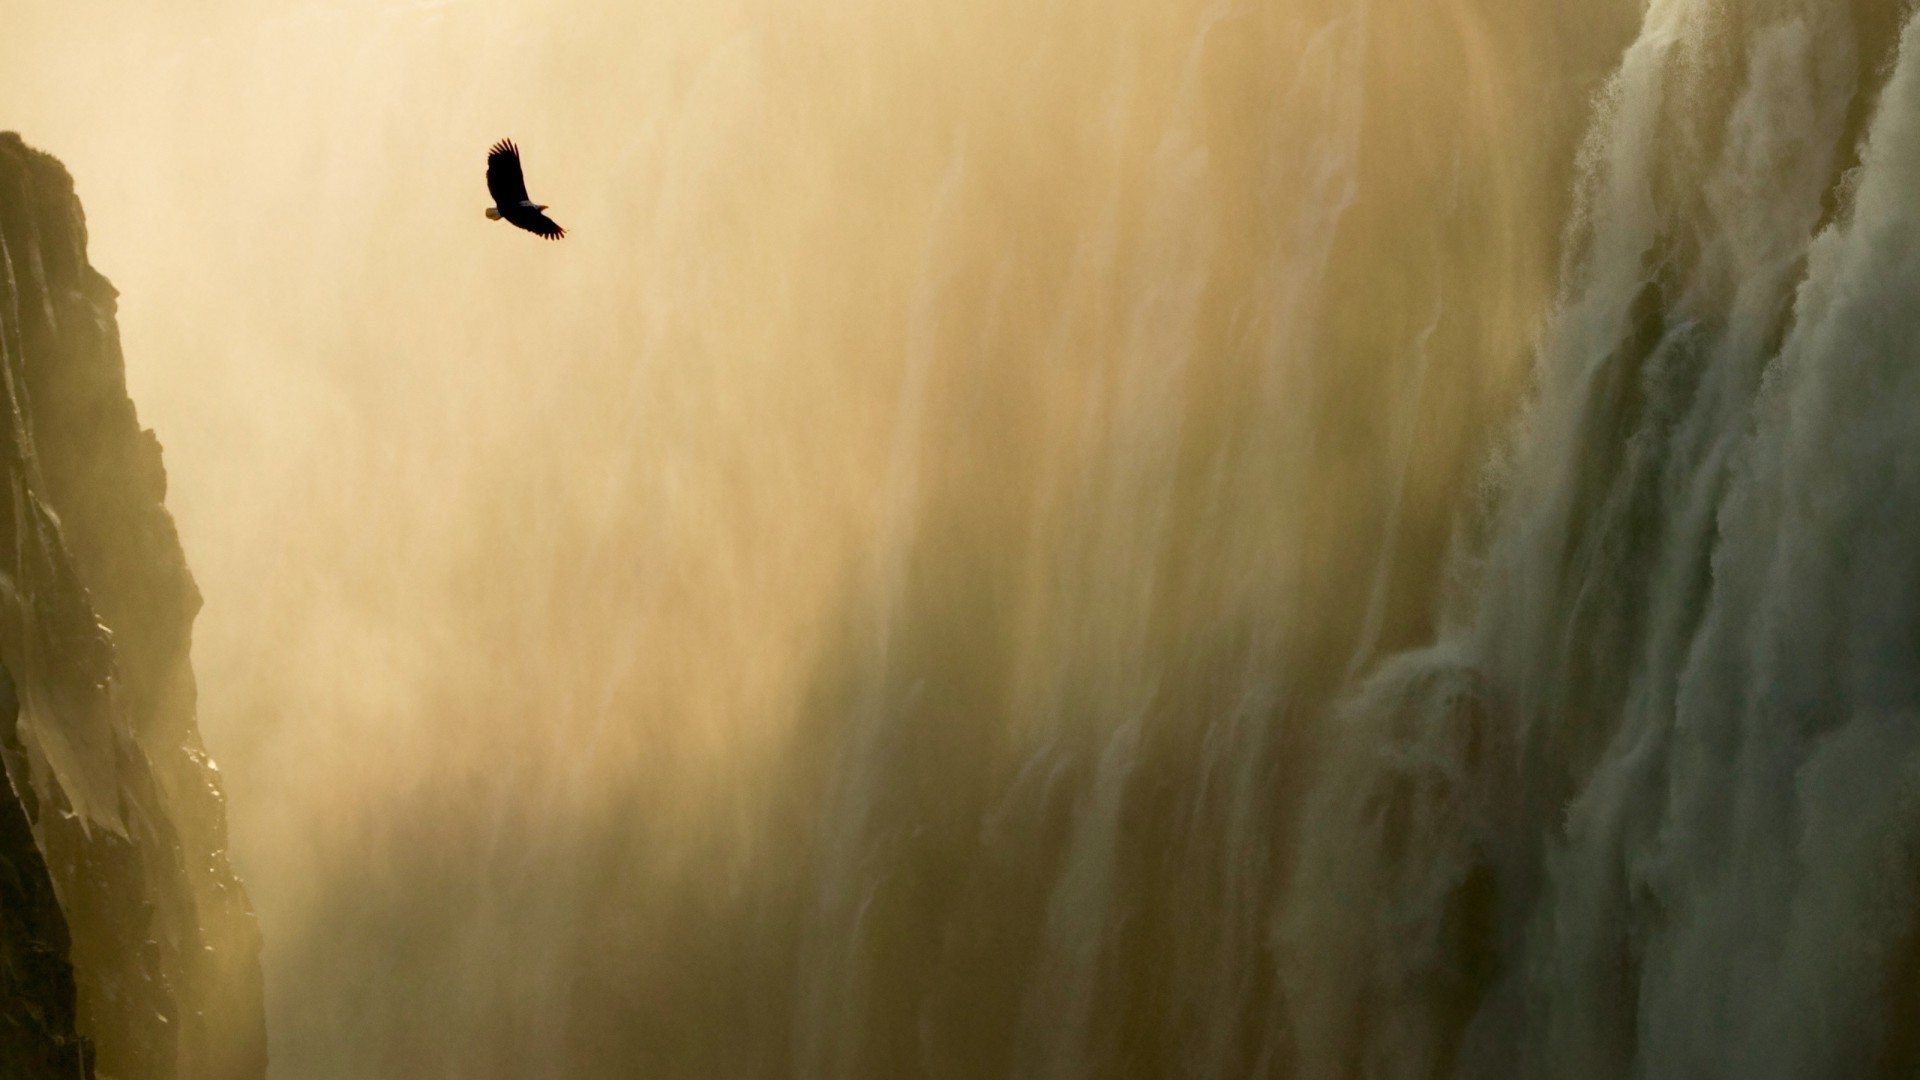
148	964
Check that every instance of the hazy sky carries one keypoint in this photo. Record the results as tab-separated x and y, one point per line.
469	510
524	560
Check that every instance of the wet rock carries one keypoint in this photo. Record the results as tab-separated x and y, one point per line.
149	960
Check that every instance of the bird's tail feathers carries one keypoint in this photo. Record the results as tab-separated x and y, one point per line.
493	213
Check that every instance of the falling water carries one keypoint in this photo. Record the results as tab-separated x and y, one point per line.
1647	808
1346	538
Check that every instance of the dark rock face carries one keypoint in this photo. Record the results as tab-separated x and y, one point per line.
149	960
37	1033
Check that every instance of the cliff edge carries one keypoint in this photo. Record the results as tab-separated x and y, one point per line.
127	945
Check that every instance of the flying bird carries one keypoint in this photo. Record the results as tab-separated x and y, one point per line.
509	190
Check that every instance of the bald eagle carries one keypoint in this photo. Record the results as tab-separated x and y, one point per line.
509	190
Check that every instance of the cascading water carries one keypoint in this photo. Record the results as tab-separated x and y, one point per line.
1647	808
1351	538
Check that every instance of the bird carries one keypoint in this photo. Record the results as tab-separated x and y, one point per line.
509	190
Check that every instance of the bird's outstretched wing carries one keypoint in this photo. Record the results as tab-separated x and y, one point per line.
536	223
504	180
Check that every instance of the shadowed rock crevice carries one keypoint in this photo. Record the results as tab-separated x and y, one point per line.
38	1036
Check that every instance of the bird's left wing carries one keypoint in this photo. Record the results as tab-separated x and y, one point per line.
504	179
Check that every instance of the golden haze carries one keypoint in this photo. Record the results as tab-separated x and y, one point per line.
990	342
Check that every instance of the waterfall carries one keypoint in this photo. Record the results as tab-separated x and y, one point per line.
1646	810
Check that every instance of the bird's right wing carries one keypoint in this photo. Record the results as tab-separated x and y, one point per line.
504	179
539	224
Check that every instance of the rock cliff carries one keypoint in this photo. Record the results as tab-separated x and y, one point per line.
128	948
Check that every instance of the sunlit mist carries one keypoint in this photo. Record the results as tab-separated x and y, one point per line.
543	580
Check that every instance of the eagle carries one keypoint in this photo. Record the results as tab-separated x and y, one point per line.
509	190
